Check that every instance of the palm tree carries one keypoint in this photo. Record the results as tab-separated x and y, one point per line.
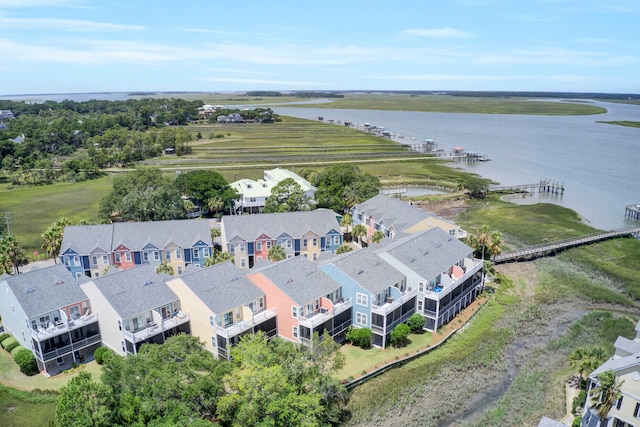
343	249
10	248
217	258
377	236
495	244
359	231
607	391
481	238
585	360
164	268
215	204
277	253
51	242
346	222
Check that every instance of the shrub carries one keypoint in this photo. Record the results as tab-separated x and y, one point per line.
579	401
400	335
27	363
4	337
16	349
7	342
101	354
416	323
11	346
360	337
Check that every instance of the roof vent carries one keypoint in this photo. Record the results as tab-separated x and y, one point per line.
59	282
30	290
413	260
360	271
426	253
235	278
148	282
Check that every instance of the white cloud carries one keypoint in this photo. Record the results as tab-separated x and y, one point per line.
65	24
439	33
263	82
556	57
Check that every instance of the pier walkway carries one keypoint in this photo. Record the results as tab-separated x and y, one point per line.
538	251
544	186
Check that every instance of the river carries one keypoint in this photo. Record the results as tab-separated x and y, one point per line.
598	163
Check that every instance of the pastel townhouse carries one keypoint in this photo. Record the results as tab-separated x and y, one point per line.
306	299
625	364
135	307
248	238
441	268
46	312
395	218
224	305
379	292
91	249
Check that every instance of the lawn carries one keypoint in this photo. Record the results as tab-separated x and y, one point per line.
33	209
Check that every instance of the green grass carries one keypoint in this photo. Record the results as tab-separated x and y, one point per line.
457	104
624	123
33	209
20	408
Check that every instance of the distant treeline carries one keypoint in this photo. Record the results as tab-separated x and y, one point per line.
509	94
297	94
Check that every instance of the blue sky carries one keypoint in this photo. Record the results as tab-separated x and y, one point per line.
62	46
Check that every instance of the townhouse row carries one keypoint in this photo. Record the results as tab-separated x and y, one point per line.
63	318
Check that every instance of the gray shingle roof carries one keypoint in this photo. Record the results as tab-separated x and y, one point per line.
369	270
47	289
392	211
548	422
136	235
295	224
300	279
428	253
627	345
134	291
222	287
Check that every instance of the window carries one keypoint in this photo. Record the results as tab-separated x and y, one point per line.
362	299
66	261
618	403
212	321
258	246
452	232
336	240
294	312
127	256
243	262
314	242
78	276
156	256
421	287
196	253
261	302
97	274
636	413
76	260
105	259
145	256
179	269
289	243
205	253
295	332
228	319
420	305
178	254
241	247
315	256
361	319
268	245
214	342
304	243
119	325
94	260
118	259
167	255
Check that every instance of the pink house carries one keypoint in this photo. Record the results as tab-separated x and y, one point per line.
306	299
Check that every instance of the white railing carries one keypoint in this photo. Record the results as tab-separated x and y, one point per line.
455	283
63	326
320	318
238	328
152	329
389	306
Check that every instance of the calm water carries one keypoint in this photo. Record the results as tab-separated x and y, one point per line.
598	163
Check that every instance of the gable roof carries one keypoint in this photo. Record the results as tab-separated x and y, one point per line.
222	287
429	253
136	235
392	211
295	224
368	270
280	174
300	279
134	291
47	289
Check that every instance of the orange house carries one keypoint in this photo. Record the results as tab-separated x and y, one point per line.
123	258
306	299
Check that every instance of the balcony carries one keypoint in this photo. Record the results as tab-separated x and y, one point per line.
63	326
68	349
238	328
392	304
443	289
324	315
155	328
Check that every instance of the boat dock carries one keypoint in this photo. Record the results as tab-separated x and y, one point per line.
632	211
544	186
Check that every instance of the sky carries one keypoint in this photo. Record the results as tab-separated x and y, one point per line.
76	46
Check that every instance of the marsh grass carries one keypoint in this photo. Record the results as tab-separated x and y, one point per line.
22	408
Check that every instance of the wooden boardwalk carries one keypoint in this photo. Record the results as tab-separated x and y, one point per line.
538	251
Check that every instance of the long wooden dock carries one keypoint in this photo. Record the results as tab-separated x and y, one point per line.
546	249
632	211
544	186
